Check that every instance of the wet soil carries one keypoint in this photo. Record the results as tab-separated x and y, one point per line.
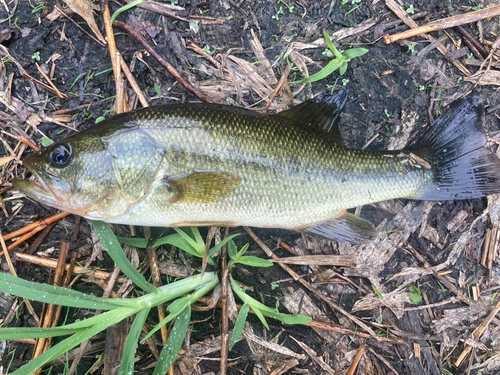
395	91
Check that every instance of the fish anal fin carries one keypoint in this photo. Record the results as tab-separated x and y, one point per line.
322	112
346	228
201	186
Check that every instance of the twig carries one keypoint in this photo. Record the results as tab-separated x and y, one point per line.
142	41
36	224
155	274
52	263
325	366
13	272
133	83
42	224
282	80
469	38
59	93
285	366
224	345
445	23
355	361
196	48
114	59
478	332
348	332
50	313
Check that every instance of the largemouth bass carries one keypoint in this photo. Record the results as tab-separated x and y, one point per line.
209	164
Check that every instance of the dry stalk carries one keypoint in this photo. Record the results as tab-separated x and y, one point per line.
445	23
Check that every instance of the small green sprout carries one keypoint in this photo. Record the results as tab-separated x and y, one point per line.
206	49
277	15
377	292
339	62
345	81
421	88
411	47
327	53
290	7
476	8
410	10
46	141
344	2
125	8
386	112
38	8
36	56
194	26
415	295
274	286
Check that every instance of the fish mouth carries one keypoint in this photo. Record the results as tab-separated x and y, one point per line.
45	187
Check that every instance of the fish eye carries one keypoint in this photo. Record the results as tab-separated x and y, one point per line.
61	155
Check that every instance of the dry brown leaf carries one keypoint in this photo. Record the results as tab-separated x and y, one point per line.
83	8
489	77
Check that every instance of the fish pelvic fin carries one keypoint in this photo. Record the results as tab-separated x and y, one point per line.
454	145
322	112
346	228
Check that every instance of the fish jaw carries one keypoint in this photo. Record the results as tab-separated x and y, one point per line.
45	187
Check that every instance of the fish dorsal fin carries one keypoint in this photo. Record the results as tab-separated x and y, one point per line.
347	228
201	186
322	112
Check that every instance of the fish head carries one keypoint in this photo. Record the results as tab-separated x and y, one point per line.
74	175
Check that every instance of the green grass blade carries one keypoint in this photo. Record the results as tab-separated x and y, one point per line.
191	242
21	333
174	342
242	251
323	73
56	295
260	308
330	45
180	304
127	365
239	325
124	8
354	52
216	248
115	251
116	316
15	333
198	238
255	261
343	68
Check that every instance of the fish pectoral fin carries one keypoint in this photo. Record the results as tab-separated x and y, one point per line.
346	228
201	186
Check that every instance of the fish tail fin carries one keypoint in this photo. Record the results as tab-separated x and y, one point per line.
454	145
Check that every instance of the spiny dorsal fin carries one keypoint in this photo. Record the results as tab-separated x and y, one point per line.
201	186
322	112
346	228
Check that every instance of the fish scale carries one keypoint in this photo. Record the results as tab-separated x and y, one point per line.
291	175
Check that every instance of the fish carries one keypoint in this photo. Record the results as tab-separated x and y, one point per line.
216	165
